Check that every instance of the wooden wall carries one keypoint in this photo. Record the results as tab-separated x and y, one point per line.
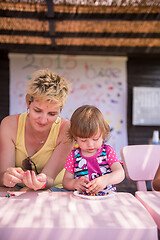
4	84
142	71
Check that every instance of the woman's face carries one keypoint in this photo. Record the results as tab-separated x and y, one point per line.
43	114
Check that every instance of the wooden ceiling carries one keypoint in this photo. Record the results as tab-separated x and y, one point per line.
112	29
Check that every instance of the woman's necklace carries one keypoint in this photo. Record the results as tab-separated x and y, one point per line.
42	141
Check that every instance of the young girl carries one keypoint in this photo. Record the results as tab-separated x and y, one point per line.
93	166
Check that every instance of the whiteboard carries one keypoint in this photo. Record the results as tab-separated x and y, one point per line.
95	80
146	106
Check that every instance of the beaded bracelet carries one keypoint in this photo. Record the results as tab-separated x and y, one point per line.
45	184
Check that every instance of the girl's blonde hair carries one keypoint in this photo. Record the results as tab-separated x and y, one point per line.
86	121
47	85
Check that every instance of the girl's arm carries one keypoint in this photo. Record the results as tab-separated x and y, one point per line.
70	183
9	174
68	180
156	180
116	176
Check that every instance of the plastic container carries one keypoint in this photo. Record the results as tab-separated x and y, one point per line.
155	138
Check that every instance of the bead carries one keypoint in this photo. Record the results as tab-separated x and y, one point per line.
101	193
10	195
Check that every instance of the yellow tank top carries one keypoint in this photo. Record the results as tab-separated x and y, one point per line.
41	157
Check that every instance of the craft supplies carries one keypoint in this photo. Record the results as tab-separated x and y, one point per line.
10	195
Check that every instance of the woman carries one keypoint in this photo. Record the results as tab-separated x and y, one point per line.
34	145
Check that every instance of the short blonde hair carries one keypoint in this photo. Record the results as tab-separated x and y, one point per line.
86	121
47	85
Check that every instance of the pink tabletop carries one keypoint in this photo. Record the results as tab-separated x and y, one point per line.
151	201
62	216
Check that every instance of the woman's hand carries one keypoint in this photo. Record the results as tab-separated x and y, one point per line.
13	176
33	181
80	184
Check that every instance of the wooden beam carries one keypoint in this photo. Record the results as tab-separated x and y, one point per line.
50	15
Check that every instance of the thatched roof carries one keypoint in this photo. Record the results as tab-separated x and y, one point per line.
109	27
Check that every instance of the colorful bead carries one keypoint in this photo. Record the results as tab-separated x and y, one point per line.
101	193
10	195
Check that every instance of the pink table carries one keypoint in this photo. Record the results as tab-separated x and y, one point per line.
151	201
46	215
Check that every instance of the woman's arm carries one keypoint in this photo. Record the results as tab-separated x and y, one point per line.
54	165
59	156
9	175
156	180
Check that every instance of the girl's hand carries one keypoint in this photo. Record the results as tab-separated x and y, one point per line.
13	176
96	185
33	181
80	184
116	176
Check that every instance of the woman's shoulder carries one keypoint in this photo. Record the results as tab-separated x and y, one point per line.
64	127
63	136
9	121
9	126
64	120
65	124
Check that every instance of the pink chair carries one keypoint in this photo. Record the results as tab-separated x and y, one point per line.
141	163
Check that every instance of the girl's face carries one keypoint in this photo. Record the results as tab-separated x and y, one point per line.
90	146
43	114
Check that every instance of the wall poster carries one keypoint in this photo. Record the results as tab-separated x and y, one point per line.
96	80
